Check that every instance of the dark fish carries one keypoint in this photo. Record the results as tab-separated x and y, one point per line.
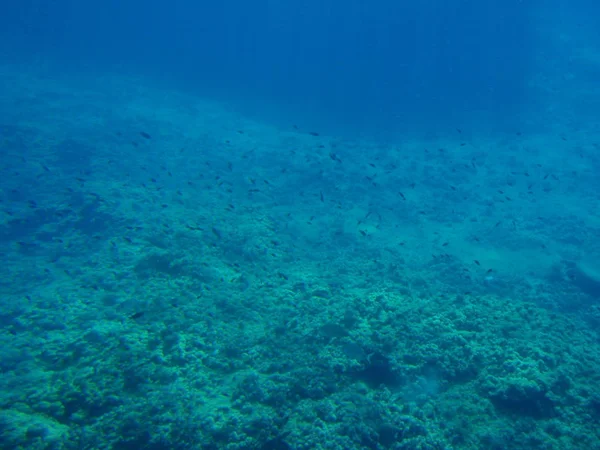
477	262
145	135
313	133
335	157
217	233
137	315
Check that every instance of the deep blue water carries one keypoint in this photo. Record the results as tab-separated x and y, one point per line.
302	225
378	66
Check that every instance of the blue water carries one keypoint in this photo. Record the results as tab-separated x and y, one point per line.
312	225
384	67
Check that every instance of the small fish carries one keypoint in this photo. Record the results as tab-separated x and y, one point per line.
145	135
216	232
137	315
335	157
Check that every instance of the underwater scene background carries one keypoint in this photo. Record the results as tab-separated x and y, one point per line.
300	225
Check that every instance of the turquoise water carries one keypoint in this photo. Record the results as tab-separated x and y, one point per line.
305	226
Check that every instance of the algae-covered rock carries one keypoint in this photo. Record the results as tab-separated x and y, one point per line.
32	431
